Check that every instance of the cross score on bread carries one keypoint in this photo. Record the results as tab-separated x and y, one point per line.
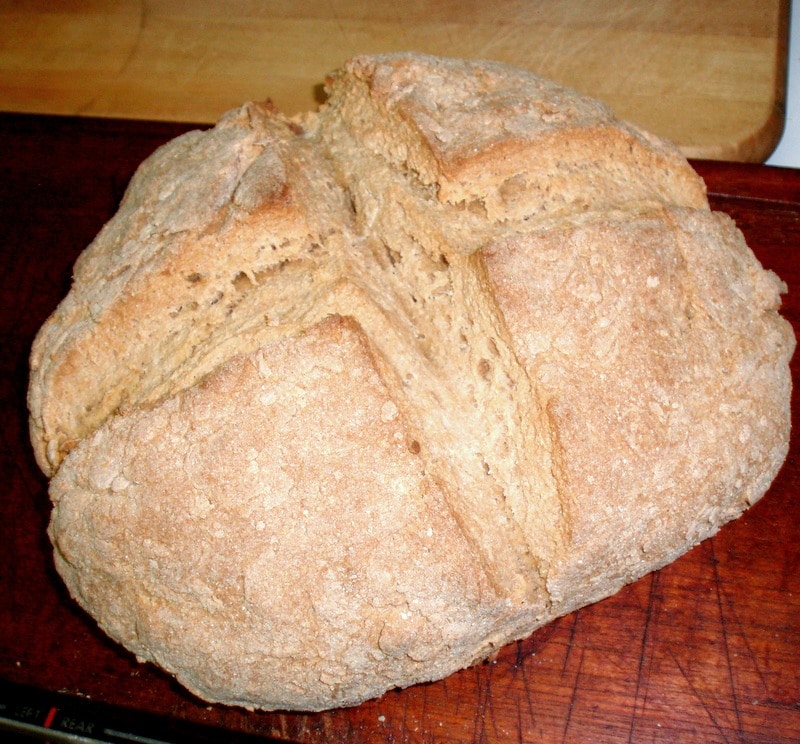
345	402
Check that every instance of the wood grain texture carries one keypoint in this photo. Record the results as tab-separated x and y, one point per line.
709	76
706	650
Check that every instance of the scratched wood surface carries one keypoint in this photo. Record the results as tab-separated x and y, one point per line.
705	650
709	76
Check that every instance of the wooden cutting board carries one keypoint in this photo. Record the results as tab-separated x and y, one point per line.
709	76
705	650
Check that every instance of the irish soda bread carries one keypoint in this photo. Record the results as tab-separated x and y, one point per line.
347	401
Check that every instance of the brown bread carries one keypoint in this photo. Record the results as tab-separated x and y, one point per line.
347	402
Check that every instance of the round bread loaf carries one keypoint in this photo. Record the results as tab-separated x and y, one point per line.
346	402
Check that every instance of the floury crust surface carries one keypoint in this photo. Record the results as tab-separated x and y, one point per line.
346	402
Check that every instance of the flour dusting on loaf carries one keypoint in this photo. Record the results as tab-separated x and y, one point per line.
345	402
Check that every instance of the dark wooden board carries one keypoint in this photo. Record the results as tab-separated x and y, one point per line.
707	649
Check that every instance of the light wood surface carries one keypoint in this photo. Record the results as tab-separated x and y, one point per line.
708	75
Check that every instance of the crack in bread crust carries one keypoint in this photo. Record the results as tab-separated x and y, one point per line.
452	367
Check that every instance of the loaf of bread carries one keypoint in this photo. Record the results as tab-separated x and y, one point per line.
344	402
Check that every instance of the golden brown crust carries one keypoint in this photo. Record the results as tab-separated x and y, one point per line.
669	361
487	132
215	583
343	404
204	227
